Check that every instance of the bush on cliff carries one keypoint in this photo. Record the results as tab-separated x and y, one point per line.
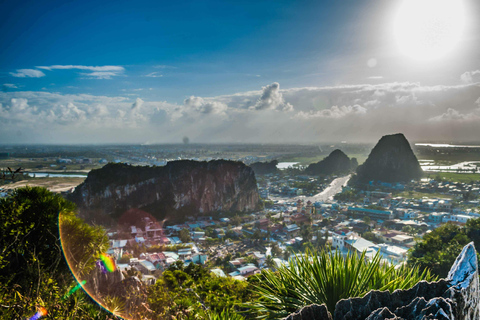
438	249
327	277
33	272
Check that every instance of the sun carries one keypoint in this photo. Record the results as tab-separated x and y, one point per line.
429	29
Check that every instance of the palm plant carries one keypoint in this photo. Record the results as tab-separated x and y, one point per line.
326	277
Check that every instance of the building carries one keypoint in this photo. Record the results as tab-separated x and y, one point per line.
372	213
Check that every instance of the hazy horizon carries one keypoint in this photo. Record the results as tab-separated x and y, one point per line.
268	72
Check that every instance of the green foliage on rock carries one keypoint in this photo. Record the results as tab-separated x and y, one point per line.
184	292
327	277
439	248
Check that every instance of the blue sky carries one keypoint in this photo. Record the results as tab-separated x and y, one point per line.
61	62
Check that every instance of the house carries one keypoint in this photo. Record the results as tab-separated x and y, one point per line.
146	267
291	229
358	244
436	217
218	272
248	270
457	218
338	239
196	235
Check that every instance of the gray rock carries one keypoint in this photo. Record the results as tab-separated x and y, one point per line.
311	312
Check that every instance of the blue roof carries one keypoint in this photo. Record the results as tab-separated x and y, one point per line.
366	210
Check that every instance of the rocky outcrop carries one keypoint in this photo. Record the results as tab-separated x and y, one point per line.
264	167
180	188
311	312
391	160
336	162
454	298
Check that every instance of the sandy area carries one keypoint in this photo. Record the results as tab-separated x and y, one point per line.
52	184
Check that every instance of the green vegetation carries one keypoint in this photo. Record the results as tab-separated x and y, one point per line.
348	195
185	292
33	272
453	176
327	277
438	249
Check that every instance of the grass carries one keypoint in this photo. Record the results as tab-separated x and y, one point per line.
454	177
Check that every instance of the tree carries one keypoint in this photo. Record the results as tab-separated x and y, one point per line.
270	262
439	249
306	233
276	251
184	236
236	220
32	269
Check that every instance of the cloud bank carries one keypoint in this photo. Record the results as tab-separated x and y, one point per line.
356	113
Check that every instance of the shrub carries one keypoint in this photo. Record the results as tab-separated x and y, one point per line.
326	277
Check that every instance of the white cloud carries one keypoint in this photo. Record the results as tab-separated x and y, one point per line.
334	112
470	76
272	99
154	75
198	104
455	115
27	73
100	75
97	72
137	104
10	86
361	112
90	68
375	77
163	66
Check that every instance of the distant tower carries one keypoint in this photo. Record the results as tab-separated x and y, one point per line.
299	206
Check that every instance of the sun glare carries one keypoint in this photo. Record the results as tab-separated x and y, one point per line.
429	29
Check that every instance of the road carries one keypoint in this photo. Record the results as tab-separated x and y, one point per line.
327	194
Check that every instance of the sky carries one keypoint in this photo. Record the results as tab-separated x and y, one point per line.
81	72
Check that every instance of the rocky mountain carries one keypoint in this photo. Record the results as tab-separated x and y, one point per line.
391	160
264	167
337	162
180	188
457	297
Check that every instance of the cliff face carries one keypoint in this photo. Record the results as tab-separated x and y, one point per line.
336	162
264	167
454	298
180	187
391	160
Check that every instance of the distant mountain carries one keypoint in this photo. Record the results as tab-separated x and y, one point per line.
265	167
391	160
180	188
337	162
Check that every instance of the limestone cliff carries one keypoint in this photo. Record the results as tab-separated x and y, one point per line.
264	167
336	162
180	188
391	160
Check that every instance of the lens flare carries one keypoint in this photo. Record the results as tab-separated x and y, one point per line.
108	263
40	313
74	289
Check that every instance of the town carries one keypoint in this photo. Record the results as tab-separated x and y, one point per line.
388	219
